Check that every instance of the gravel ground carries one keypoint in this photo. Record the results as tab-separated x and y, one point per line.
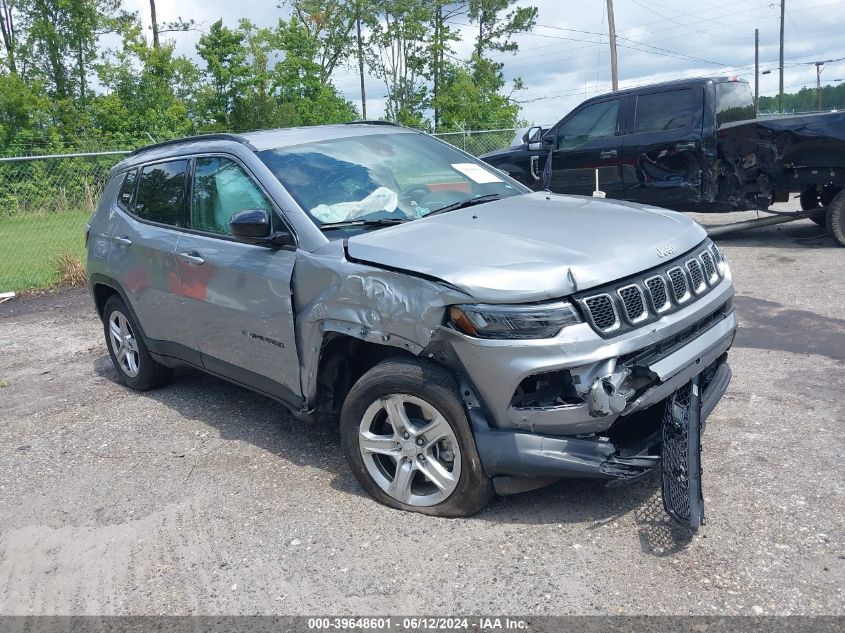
201	497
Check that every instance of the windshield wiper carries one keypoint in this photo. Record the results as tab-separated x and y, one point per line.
462	204
347	223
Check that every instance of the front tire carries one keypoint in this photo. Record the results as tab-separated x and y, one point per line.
408	442
129	354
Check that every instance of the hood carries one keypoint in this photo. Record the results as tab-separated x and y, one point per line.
531	247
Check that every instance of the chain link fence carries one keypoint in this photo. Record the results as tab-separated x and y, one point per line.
45	202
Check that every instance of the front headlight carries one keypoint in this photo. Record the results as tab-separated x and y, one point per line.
513	321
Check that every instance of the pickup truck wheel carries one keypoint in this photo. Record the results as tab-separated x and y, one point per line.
132	361
811	198
408	442
836	218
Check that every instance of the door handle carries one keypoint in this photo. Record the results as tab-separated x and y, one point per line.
123	239
192	257
685	147
611	153
534	161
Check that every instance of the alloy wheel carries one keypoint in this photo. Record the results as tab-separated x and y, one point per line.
410	450
124	344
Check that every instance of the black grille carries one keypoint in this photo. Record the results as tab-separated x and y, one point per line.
709	266
679	283
632	299
653	353
601	311
681	456
695	274
657	288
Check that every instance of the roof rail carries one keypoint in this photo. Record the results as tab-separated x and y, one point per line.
219	136
374	122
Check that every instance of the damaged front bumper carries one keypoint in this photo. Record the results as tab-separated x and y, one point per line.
517	454
574	406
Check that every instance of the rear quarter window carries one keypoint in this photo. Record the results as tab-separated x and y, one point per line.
162	192
734	102
124	197
659	111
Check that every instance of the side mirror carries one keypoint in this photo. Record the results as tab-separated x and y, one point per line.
252	226
532	138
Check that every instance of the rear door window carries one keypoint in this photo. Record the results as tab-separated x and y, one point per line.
161	193
660	111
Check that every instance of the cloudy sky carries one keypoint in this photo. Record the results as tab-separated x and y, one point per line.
566	58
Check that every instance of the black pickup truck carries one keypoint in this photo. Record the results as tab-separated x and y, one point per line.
689	145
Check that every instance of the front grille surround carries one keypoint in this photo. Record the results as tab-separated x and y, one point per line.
658	292
632	302
680	284
598	307
710	270
696	276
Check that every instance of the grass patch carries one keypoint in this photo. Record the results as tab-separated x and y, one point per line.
36	250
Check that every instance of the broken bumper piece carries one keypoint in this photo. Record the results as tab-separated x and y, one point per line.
507	453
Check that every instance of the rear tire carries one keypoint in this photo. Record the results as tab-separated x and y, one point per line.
408	442
129	354
836	218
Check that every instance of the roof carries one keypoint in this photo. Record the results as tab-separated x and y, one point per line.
260	140
675	83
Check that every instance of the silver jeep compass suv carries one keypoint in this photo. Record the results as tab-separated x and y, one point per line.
470	335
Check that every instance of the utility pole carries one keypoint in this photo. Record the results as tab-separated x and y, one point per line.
756	71
361	65
611	25
154	23
819	85
780	90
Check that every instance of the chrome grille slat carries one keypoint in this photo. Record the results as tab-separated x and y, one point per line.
659	293
633	303
622	306
696	276
602	312
709	266
680	287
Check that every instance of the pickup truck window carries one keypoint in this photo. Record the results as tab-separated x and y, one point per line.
671	110
734	102
595	121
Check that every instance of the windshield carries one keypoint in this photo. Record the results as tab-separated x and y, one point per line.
381	177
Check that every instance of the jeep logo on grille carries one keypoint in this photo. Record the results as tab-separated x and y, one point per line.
666	250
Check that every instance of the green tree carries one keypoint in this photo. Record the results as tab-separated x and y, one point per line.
8	34
226	72
60	38
465	102
330	25
398	55
149	91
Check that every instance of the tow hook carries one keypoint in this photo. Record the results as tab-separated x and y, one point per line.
607	396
